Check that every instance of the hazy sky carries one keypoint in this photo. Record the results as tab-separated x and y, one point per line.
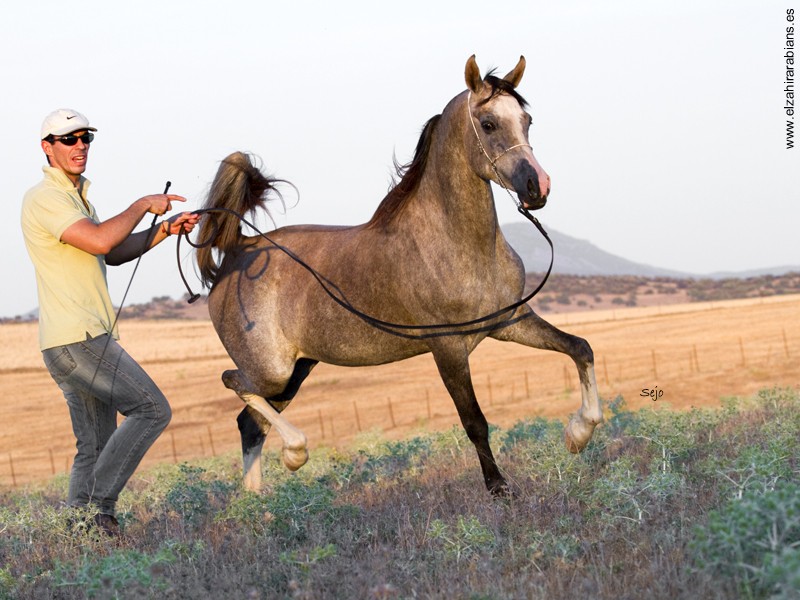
661	123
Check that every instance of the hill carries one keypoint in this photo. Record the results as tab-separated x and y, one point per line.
580	257
569	293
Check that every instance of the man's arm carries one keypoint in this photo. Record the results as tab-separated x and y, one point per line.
138	243
104	237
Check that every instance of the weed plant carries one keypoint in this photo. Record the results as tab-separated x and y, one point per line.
662	504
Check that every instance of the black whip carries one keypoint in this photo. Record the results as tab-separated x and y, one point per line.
127	289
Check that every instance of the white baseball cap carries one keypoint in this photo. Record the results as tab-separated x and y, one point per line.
64	121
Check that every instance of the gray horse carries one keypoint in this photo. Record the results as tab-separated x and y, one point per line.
431	254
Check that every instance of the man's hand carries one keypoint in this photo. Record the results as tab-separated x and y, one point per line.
184	221
159	204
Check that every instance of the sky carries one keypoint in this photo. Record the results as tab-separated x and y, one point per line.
661	123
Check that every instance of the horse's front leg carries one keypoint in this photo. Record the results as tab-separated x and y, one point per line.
453	365
531	330
253	429
255	422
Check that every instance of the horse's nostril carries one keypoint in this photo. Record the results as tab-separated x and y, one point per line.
533	188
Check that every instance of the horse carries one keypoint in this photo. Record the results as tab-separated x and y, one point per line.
371	294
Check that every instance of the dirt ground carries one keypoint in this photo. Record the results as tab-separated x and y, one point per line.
687	355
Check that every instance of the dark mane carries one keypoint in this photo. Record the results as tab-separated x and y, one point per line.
409	177
501	86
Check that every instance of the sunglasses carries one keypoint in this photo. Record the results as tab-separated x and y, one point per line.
72	139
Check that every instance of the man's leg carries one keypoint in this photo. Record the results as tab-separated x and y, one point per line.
106	379
93	421
131	392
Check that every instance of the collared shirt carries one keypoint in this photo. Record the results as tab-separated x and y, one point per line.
71	283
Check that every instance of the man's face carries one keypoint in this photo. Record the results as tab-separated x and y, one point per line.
70	159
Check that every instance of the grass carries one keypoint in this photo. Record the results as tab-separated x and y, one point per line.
662	504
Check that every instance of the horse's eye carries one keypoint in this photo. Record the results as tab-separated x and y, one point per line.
488	126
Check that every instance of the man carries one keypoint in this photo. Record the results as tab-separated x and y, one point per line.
70	248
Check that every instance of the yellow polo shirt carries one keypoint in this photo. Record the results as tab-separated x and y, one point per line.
72	285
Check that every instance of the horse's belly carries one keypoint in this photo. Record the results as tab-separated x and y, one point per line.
359	354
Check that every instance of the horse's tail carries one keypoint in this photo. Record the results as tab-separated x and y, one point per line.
241	188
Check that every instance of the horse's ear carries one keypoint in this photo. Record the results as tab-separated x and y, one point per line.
473	75
515	76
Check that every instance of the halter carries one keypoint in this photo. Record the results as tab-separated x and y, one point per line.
493	161
520	206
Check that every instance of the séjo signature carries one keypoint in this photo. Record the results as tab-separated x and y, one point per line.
654	394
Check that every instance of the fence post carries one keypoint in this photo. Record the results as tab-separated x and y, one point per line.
211	441
358	419
174	449
13	474
391	412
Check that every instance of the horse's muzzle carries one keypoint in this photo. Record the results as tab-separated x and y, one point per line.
534	199
535	203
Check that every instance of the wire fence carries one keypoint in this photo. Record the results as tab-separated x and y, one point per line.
674	368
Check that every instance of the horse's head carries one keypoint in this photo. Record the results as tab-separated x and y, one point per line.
497	135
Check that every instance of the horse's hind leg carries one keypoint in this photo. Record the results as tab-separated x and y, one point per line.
531	330
453	365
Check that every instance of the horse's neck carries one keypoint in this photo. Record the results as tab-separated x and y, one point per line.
450	188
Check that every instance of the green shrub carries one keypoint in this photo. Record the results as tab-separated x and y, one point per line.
467	538
530	431
7	583
194	496
117	572
755	539
623	495
296	504
622	421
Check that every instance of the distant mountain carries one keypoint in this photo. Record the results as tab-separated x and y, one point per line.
580	257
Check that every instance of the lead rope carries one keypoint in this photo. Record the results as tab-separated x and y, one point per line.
388	326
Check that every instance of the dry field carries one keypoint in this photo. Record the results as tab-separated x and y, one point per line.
691	354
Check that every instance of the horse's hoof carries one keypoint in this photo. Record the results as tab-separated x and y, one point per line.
501	490
572	443
251	485
295	458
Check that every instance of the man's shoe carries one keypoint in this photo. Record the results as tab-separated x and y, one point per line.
108	524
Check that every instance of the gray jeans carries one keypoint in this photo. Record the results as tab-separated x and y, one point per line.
96	390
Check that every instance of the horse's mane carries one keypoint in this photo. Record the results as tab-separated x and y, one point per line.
408	176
